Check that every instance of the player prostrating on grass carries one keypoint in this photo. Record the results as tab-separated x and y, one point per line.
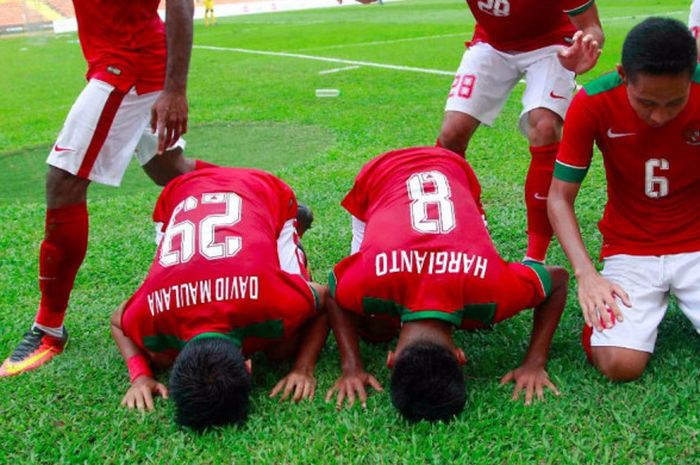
645	119
135	77
228	280
547	43
423	265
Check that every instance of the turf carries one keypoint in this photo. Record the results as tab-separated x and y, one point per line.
257	110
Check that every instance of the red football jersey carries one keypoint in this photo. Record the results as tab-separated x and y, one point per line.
123	42
652	173
525	25
217	267
426	252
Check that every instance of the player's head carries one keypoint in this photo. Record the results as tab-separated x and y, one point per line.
210	384
427	382
659	57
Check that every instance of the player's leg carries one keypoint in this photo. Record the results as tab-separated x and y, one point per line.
479	90
622	352
548	92
685	269
84	151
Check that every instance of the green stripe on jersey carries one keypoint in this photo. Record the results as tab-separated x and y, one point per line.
581	9
452	318
569	173
484	313
603	84
696	74
543	274
332	283
317	299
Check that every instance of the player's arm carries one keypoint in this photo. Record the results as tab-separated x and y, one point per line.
143	385
352	382
595	293
583	53
300	382
532	376
169	112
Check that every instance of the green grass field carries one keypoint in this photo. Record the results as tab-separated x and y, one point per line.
261	110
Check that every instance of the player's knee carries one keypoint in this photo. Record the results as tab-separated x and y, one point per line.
210	384
618	364
427	383
64	188
545	128
457	129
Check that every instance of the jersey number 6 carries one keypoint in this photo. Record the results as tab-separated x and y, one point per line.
185	229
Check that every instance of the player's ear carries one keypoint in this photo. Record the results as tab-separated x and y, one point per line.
459	355
390	357
248	366
621	72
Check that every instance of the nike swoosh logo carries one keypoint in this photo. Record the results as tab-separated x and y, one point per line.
540	197
615	135
553	95
62	149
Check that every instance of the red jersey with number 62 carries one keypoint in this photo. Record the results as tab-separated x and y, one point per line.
525	25
217	268
426	252
652	173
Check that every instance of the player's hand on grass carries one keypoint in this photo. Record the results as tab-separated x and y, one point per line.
598	299
140	394
351	386
530	378
169	118
297	385
581	55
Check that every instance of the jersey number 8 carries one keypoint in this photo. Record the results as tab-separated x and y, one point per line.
185	229
437	194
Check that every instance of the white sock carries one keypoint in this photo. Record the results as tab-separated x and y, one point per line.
54	332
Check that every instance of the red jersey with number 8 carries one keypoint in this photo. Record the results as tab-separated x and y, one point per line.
652	172
217	267
426	252
525	25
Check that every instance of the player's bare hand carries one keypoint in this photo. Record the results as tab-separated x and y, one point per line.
140	394
351	386
581	55
169	118
297	385
599	300
532	379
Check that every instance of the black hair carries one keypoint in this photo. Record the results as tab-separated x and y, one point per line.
659	46
427	383
209	384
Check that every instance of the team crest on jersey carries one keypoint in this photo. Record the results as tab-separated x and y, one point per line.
691	133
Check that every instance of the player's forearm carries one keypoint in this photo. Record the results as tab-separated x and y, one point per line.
178	19
312	342
345	332
546	319
560	208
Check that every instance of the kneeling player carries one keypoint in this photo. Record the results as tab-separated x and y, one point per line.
422	265
228	280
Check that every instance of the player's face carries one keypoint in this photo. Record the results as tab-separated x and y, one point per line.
658	99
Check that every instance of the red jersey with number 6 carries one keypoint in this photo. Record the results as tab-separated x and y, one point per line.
217	268
525	25
123	42
426	252
652	172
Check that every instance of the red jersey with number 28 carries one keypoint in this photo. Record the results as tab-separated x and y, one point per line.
123	42
217	267
426	252
652	172
525	25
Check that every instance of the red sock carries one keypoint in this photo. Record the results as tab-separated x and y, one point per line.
62	253
200	165
539	177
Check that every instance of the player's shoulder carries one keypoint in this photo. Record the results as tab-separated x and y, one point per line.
605	83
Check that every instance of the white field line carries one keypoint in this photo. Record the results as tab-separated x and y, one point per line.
328	60
338	70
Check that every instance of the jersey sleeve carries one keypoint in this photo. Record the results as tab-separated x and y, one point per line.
576	7
357	200
528	285
576	148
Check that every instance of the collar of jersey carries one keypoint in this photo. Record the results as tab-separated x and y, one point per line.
216	335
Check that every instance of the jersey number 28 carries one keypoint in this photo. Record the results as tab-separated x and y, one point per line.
495	7
206	240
